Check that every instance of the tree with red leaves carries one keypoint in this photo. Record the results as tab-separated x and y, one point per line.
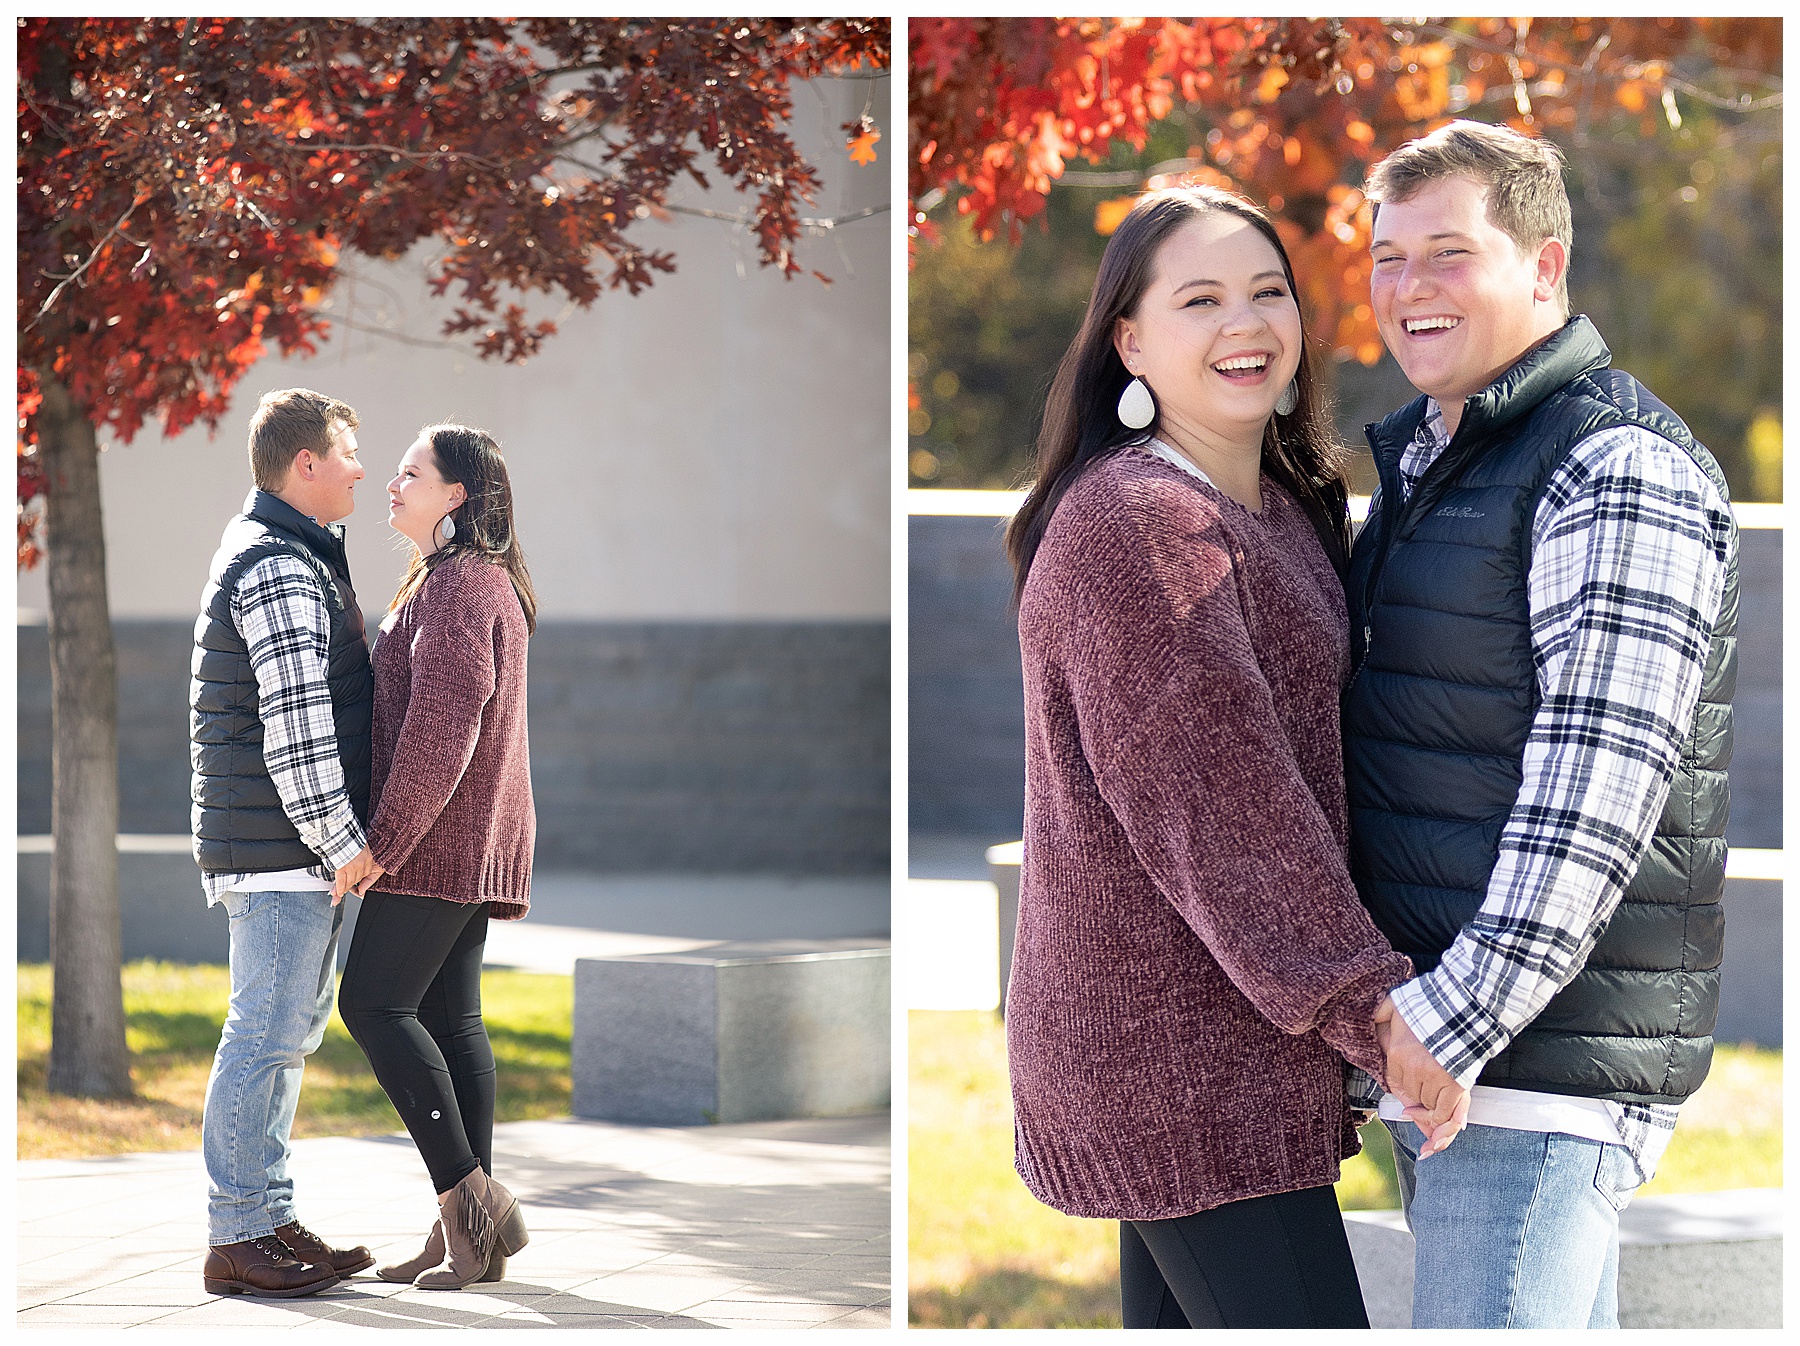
1290	111
186	187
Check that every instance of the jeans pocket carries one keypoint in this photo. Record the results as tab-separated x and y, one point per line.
1616	1176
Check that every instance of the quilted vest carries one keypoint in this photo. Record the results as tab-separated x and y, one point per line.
1437	714
239	824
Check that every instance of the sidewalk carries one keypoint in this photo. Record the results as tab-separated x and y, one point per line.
761	1224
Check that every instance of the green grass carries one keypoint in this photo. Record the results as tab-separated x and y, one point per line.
984	1253
173	1015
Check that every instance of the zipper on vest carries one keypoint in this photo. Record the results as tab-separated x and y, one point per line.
1389	473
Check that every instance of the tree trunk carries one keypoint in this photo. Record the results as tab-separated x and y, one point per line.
87	1012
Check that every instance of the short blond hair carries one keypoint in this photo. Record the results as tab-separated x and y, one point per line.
287	421
1526	199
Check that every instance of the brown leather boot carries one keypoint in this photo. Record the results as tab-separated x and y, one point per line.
309	1247
404	1273
262	1267
477	1216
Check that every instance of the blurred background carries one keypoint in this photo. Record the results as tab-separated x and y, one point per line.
1029	139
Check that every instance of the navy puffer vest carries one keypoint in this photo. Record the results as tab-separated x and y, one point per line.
1436	718
239	824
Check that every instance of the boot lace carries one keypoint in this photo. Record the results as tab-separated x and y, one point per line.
275	1248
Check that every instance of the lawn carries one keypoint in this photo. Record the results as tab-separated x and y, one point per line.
173	1014
984	1253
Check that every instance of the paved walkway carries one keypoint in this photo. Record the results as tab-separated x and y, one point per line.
762	1225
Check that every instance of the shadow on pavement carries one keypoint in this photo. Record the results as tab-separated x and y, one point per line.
352	1304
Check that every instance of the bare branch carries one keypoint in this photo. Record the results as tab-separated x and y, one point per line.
819	224
75	275
404	338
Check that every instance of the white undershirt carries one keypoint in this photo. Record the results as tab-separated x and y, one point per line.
1524	1110
1175	456
282	881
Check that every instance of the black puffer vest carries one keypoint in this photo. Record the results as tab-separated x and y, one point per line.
239	824
1436	718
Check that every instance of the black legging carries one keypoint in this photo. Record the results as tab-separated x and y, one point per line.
1270	1261
411	997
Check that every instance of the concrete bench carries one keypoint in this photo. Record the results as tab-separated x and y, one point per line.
1700	1259
1003	867
733	1032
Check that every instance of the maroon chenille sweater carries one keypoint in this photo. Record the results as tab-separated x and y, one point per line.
451	789
1191	956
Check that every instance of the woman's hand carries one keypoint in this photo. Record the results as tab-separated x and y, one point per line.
355	876
1435	1102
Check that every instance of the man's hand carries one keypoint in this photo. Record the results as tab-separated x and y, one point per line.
356	876
1435	1102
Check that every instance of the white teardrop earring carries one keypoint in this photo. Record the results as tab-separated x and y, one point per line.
1289	399
1136	407
449	528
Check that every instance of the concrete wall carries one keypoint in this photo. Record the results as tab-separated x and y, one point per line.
701	746
966	709
965	703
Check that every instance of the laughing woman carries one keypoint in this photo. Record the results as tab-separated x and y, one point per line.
1192	966
451	837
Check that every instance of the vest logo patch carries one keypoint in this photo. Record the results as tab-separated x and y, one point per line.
1460	512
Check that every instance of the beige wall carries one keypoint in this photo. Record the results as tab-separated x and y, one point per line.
714	448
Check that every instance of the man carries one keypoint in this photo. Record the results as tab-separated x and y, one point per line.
1542	606
280	702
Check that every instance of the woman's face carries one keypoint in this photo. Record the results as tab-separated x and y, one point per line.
1216	334
419	497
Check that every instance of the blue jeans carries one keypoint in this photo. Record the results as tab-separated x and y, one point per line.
1514	1228
283	965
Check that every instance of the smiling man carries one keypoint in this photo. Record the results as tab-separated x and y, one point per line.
1543	604
280	711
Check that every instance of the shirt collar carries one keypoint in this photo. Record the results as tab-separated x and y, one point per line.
1428	442
1178	459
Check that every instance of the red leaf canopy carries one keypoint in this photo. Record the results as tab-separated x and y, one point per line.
1294	110
187	185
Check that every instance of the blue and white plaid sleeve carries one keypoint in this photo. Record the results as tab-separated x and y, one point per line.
1631	544
282	618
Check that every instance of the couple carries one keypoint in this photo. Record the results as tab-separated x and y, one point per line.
1448	806
318	772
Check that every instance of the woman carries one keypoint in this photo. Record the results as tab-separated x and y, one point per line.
450	837
1192	965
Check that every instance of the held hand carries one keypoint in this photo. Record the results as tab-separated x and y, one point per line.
1435	1102
355	876
375	872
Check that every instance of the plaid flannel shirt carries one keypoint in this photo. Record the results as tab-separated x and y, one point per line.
281	615
1630	546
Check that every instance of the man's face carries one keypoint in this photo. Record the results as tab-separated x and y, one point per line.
330	482
1455	300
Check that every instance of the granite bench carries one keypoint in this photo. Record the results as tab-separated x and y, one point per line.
735	1032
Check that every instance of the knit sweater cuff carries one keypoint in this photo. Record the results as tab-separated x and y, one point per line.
385	847
1349	1021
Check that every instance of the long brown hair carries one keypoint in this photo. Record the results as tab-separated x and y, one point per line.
1081	420
484	521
